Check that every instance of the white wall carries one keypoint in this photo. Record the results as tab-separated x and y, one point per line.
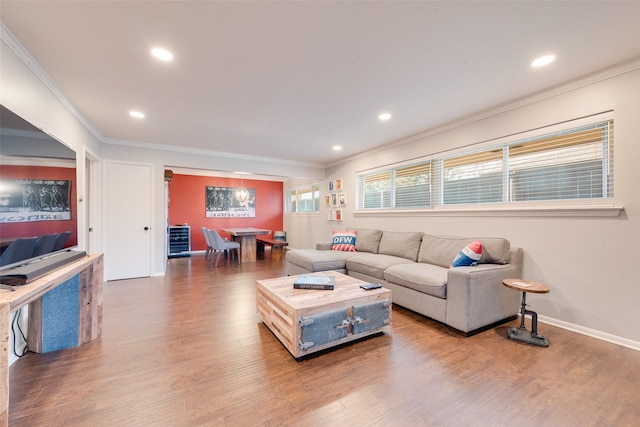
588	262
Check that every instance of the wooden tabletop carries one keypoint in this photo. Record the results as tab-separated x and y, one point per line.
346	288
24	294
246	231
526	286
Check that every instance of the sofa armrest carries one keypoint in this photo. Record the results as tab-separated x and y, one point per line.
323	246
476	296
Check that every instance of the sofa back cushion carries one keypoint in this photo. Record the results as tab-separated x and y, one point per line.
441	250
404	245
368	240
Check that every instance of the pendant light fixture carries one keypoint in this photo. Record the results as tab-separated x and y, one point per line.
242	194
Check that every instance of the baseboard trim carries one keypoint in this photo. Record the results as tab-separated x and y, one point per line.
603	336
487	327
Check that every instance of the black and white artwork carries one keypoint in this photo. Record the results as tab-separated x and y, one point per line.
28	200
223	202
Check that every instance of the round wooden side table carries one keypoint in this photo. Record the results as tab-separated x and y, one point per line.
521	333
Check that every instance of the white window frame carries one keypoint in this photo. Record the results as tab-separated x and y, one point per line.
603	206
313	189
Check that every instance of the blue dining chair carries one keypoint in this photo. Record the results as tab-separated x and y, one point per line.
45	244
18	250
61	240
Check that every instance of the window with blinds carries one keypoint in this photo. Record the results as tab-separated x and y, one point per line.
413	186
303	199
403	187
375	190
473	178
575	163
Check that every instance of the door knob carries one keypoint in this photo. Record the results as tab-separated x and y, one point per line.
146	229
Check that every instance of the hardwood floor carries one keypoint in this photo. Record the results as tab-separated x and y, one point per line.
188	349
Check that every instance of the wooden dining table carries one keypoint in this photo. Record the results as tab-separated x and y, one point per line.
246	236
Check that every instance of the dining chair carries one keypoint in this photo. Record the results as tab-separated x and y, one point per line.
18	250
219	246
45	244
207	239
62	239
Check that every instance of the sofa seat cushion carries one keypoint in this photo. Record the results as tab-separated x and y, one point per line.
373	264
314	260
426	278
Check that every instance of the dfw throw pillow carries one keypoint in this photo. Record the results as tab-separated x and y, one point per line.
469	255
344	241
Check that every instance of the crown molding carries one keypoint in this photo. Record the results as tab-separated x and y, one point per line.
186	150
21	52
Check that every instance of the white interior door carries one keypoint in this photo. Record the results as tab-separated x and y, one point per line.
88	218
128	221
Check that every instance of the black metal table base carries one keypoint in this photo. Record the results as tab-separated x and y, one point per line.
521	333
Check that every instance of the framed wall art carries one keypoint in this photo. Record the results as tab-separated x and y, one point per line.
29	200
342	199
221	202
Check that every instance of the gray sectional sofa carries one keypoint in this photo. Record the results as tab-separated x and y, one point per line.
416	267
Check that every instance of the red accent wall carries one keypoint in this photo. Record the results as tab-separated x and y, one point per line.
38	228
187	205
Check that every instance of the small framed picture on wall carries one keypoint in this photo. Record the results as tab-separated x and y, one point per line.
338	214
327	201
342	199
338	184
334	200
331	185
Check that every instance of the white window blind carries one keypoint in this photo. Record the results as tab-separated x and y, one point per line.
375	190
568	164
473	178
413	186
576	164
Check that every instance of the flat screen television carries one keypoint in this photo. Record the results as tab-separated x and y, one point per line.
37	183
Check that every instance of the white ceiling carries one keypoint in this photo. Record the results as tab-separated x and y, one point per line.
288	80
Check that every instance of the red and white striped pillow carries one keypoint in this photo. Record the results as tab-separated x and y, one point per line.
344	241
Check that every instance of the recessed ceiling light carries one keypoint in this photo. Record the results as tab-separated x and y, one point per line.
384	116
136	114
162	54
543	60
337	147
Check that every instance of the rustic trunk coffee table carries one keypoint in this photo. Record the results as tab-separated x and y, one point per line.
309	320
